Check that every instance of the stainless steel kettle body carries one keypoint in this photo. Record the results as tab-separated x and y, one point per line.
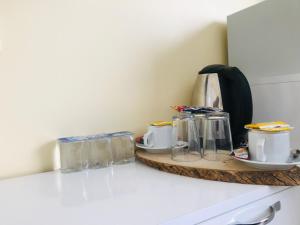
207	92
226	88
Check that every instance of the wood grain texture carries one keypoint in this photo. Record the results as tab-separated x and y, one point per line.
226	170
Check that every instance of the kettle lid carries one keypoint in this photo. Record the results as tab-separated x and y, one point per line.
215	68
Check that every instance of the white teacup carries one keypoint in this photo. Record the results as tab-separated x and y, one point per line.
158	137
269	146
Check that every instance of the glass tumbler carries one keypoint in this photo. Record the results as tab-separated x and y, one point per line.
217	136
186	145
72	154
122	144
200	121
99	151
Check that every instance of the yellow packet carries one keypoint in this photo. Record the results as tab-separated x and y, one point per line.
266	125
277	129
276	126
161	123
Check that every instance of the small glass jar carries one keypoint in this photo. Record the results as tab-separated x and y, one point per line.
99	151
122	144
72	154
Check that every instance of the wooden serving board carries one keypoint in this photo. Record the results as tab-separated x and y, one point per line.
227	170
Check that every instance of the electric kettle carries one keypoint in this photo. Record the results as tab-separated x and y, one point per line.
226	88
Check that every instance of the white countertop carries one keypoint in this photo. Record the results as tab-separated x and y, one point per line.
131	194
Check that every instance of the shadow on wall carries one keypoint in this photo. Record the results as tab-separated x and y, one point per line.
174	73
47	154
176	69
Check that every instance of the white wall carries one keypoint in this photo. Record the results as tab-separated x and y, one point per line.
88	66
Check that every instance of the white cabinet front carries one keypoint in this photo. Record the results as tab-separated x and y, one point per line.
278	209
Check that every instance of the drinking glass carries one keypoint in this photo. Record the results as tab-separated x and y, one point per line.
185	144
200	121
99	152
217	136
72	154
122	144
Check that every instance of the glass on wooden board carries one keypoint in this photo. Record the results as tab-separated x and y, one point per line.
217	140
185	145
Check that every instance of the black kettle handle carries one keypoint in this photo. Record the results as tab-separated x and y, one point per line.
238	102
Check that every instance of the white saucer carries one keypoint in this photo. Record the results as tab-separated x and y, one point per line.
268	165
153	149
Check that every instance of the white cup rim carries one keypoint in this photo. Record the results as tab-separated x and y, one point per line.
268	132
